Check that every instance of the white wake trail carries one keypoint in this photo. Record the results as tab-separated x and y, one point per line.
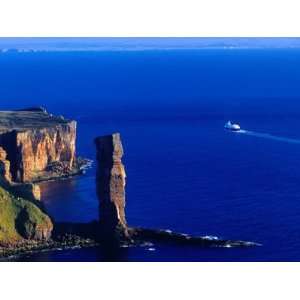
270	136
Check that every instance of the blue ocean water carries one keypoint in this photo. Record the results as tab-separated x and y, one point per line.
184	172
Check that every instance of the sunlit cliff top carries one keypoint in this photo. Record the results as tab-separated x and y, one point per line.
33	118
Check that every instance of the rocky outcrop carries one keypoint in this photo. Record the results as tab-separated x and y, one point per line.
36	146
26	190
33	140
4	166
110	185
31	227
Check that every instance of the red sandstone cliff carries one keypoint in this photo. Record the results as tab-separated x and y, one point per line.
34	141
38	148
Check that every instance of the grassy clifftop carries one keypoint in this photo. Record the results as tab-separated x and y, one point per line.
20	219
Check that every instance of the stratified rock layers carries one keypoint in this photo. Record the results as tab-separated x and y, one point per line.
38	148
33	140
110	184
27	190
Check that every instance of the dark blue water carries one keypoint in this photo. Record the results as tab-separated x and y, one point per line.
185	173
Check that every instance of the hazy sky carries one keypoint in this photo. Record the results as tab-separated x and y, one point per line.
61	44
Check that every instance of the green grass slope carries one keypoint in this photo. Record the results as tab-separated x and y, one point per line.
21	219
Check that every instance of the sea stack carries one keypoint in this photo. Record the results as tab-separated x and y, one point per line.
110	184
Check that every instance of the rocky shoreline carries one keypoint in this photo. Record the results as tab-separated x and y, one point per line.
64	242
56	170
85	238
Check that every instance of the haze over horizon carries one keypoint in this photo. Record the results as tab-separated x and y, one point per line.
160	43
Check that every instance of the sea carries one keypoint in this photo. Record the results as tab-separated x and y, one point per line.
185	173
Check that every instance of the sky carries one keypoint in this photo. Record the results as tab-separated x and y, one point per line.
98	44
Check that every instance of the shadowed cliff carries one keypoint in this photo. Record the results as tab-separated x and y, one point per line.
110	187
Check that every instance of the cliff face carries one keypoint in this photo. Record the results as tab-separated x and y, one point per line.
27	190
110	184
4	166
34	141
36	149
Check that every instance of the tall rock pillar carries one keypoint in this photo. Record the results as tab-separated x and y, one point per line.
110	184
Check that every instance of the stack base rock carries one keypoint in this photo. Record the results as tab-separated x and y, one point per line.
110	184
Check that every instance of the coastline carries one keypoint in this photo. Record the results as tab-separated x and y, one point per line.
66	242
83	165
86	234
111	231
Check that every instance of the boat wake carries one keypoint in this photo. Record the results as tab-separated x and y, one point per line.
269	136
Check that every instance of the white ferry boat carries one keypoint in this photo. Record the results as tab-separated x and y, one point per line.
232	126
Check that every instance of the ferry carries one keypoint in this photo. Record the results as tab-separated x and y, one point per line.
231	126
